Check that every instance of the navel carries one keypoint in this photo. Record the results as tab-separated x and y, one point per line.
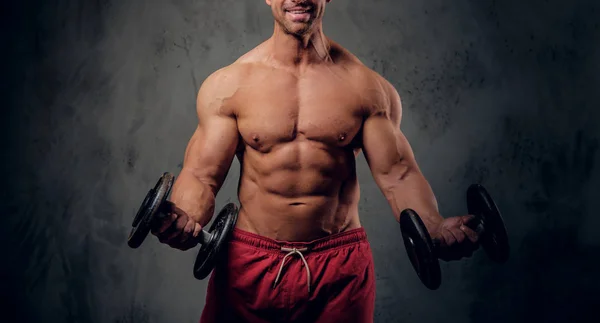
255	137
342	136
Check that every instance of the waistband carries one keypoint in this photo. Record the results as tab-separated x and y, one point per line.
326	243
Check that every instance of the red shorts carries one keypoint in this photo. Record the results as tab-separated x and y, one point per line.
263	280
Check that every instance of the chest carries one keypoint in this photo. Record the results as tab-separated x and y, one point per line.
282	108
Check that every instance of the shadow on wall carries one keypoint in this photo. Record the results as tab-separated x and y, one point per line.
551	274
58	166
82	127
545	165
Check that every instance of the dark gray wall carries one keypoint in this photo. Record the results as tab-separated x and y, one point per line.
99	101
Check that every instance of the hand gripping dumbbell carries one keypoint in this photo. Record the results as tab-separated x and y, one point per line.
211	241
423	251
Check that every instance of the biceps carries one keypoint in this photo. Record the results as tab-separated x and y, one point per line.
211	149
386	149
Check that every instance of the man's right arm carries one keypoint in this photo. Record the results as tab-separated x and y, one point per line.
207	160
210	151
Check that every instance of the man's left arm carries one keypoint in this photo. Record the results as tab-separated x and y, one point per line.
395	170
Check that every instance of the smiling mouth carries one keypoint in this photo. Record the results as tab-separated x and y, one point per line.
299	14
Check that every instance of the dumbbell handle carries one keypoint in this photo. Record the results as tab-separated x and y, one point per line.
203	237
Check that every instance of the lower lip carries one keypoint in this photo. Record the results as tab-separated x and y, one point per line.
298	17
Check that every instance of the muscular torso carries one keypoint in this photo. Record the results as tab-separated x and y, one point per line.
299	137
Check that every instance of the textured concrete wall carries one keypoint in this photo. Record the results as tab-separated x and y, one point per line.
99	101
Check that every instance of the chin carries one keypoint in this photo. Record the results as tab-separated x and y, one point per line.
297	29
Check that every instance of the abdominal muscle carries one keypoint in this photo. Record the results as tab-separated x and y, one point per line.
298	191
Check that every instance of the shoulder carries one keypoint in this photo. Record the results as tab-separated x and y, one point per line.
367	78
223	80
220	87
230	77
390	103
381	95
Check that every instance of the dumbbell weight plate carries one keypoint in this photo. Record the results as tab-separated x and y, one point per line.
219	232
420	249
494	239
149	209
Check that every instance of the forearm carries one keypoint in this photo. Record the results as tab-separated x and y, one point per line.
194	195
411	191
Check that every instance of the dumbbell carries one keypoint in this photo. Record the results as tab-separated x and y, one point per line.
423	251
211	241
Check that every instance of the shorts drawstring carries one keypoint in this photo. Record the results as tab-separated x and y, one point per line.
292	251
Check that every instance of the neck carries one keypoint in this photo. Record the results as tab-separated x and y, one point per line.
312	47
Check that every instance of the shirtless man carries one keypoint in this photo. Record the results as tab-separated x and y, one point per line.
296	110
